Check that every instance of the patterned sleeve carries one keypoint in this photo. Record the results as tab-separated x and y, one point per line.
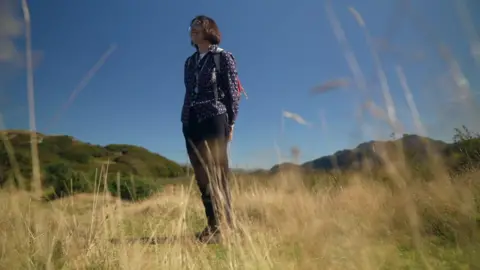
186	99
230	86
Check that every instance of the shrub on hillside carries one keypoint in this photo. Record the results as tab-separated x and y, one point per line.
75	156
466	148
133	189
15	169
61	180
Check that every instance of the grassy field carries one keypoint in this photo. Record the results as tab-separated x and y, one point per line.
405	220
283	224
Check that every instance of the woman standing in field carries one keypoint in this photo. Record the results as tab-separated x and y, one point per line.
208	116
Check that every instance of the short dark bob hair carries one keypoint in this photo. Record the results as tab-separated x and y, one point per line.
210	29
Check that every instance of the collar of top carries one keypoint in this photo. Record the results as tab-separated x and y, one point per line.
212	48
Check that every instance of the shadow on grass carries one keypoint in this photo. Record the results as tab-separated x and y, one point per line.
155	240
164	240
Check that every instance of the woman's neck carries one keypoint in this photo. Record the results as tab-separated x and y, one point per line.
203	48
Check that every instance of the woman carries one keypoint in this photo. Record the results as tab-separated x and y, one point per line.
208	116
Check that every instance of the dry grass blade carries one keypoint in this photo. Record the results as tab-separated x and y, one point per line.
392	118
83	83
36	180
353	64
411	103
10	28
295	117
469	28
348	52
331	85
11	156
461	82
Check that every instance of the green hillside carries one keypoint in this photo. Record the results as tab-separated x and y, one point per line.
63	158
69	165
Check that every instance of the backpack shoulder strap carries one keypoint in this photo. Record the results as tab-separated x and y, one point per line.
216	59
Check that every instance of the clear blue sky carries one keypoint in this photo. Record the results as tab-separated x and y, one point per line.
283	49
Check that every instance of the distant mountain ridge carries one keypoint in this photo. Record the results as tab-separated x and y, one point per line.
130	159
347	159
69	166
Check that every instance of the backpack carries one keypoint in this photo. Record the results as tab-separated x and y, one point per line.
216	59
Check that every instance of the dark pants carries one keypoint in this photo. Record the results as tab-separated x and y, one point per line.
207	143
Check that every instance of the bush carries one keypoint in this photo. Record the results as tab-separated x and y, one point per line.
465	149
132	189
60	180
76	156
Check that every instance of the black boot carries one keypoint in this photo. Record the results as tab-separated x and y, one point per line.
209	236
211	233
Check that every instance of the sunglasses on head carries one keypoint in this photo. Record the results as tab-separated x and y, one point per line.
197	25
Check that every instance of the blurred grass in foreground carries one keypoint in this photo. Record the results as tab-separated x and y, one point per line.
286	224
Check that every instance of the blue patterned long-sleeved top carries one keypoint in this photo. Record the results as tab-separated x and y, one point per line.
200	100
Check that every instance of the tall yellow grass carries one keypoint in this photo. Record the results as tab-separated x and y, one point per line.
362	224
